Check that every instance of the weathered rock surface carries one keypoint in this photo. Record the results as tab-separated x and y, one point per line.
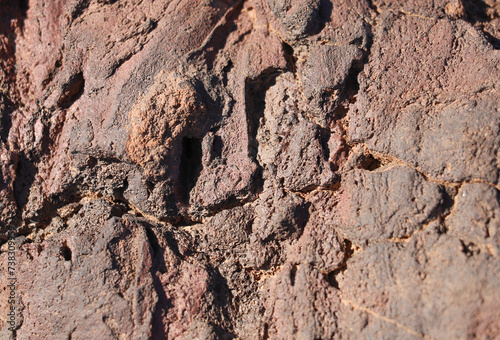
259	169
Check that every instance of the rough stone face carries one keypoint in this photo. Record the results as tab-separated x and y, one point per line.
258	169
436	100
383	285
475	218
387	203
298	18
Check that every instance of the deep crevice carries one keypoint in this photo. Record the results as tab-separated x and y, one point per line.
493	41
368	162
23	7
12	14
119	208
469	248
153	242
255	96
290	58
441	211
162	306
372	5
217	148
66	252
477	15
331	277
184	221
265	335
325	12
448	201
476	11
6	109
350	91
225	72
190	166
78	8
255	102
293	273
221	303
25	176
72	91
159	266
352	84
230	203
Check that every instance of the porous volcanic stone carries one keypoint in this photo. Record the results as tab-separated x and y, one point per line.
251	169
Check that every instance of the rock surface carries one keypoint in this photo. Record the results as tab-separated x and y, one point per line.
259	169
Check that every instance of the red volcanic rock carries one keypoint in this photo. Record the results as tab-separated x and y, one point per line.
391	202
260	169
435	99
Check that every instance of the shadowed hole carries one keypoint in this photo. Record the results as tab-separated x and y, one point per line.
66	252
368	162
190	166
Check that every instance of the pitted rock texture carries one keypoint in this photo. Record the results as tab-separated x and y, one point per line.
257	169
